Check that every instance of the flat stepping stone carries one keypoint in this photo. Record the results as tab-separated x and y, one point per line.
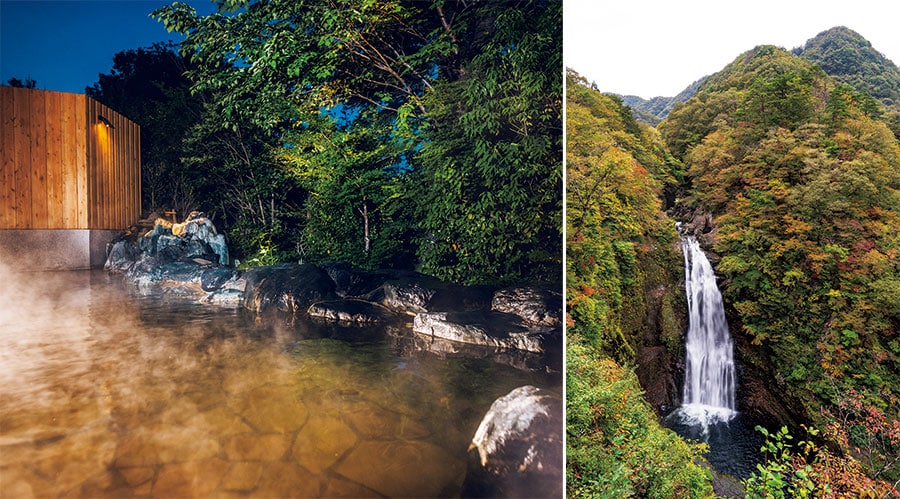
493	329
351	311
322	442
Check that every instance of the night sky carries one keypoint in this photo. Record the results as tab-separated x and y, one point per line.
64	45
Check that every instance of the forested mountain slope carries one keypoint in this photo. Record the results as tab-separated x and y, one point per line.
851	59
652	111
801	179
622	277
841	53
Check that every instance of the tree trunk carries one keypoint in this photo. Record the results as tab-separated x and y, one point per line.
365	215
272	209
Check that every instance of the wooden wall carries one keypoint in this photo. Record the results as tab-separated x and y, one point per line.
114	169
61	168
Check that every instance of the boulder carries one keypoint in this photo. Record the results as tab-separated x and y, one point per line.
494	329
230	297
535	306
406	296
699	223
407	292
151	274
519	447
415	344
214	278
200	228
351	311
411	293
288	288
184	259
122	255
355	283
458	298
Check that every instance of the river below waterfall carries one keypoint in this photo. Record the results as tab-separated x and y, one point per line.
733	445
104	392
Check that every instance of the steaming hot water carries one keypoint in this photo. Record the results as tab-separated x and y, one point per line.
107	393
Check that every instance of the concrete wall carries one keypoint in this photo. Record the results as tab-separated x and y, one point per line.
59	249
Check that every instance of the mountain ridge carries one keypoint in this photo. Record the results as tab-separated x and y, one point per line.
842	53
654	110
849	58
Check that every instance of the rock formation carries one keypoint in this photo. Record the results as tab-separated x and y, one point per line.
190	259
519	447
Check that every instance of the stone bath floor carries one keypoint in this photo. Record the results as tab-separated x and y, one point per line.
211	424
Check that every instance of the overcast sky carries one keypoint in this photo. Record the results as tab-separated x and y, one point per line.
658	47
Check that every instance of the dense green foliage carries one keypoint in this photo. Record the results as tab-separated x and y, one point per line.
619	242
851	59
491	172
620	252
778	477
614	445
355	210
812	470
231	174
191	161
804	185
418	129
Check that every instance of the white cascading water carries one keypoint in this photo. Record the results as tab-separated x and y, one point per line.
709	380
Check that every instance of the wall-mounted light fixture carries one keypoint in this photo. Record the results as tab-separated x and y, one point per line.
104	121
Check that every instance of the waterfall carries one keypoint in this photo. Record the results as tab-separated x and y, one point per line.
709	380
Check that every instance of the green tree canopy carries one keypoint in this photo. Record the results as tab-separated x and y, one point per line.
149	87
361	94
490	179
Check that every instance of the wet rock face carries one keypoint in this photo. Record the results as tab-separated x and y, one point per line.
354	283
408	296
519	447
525	319
287	288
195	238
456	298
186	259
486	328
215	278
411	345
351	311
122	256
533	305
175	277
699	223
654	370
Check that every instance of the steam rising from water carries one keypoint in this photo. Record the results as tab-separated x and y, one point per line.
105	393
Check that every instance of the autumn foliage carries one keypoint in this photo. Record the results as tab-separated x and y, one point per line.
802	179
620	246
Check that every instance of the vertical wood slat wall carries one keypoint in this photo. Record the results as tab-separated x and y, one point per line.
61	168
